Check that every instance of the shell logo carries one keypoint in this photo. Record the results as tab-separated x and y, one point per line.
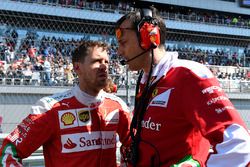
83	115
68	118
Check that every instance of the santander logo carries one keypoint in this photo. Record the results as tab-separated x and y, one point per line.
69	144
148	124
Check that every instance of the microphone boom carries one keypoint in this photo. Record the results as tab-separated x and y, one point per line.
124	62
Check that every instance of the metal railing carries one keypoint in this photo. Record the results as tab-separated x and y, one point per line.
232	79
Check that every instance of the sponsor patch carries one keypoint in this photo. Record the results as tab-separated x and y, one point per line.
74	118
84	117
148	124
88	141
69	144
21	131
68	118
13	137
112	117
216	100
161	100
220	110
211	89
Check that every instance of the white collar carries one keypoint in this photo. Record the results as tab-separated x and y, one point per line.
87	99
162	67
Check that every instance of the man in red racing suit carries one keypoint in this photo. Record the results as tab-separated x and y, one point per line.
187	112
180	110
75	128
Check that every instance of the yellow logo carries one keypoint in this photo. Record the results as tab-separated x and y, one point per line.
155	92
83	115
68	118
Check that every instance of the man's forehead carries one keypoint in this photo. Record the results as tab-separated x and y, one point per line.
99	52
98	48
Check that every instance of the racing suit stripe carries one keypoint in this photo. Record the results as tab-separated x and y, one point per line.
236	152
9	156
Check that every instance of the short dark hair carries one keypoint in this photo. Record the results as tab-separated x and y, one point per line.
84	48
135	17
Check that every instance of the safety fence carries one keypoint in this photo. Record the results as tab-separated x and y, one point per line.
232	79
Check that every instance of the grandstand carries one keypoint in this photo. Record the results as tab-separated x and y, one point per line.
214	32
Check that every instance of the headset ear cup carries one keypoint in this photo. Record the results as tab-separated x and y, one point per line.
148	30
149	35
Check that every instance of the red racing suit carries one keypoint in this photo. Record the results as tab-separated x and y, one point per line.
75	129
187	113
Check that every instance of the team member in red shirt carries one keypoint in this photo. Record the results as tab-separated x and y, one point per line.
180	109
77	127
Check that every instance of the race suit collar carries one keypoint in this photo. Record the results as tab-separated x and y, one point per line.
162	67
87	99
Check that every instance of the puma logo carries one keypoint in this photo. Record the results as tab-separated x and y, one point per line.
66	104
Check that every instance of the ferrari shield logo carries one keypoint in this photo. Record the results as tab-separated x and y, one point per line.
155	92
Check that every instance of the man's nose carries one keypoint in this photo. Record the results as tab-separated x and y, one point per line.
103	66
